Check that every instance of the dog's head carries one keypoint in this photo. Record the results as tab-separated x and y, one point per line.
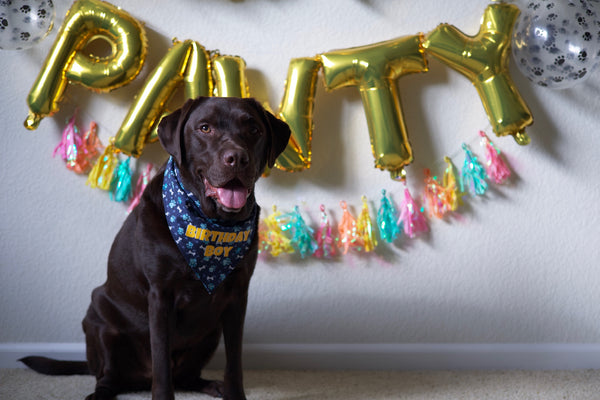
221	146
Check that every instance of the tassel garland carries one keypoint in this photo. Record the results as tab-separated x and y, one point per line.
290	233
439	198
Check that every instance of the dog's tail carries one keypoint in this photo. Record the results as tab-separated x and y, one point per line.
49	366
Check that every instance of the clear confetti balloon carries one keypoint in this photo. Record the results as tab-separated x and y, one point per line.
24	23
556	43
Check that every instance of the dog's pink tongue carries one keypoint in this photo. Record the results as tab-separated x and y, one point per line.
233	197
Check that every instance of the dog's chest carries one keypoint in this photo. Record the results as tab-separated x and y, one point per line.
193	304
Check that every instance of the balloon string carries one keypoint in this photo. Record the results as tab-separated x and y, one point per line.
440	163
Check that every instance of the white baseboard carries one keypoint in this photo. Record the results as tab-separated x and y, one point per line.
384	356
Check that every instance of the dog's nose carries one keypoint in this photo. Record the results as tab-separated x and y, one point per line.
235	158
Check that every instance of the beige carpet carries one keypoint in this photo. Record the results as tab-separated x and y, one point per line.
21	384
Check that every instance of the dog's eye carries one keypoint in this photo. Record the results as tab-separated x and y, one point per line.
204	128
255	131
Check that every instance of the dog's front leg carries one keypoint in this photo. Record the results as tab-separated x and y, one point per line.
233	332
161	320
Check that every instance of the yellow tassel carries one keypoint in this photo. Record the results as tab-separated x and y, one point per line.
272	238
101	175
365	227
452	196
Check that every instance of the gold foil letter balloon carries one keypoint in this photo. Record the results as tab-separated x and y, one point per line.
483	59
296	109
86	21
229	74
373	69
186	62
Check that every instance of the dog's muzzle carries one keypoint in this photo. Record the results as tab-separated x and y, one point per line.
232	196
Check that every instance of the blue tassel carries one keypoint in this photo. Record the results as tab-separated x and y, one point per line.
121	182
387	219
473	174
302	235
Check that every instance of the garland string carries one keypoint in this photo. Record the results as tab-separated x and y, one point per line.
287	233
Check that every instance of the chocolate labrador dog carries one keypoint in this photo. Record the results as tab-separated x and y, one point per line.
179	268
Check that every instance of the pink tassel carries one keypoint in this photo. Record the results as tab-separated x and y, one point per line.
142	182
324	238
70	143
496	167
411	217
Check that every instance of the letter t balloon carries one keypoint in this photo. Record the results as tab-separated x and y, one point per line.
374	69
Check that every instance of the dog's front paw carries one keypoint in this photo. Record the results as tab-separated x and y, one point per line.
234	395
213	388
102	393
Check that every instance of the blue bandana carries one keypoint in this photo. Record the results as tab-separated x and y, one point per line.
211	250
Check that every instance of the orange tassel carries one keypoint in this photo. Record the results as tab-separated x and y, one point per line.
349	236
435	196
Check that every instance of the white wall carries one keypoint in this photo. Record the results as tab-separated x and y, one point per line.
519	265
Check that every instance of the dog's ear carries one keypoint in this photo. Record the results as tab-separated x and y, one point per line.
280	136
170	129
